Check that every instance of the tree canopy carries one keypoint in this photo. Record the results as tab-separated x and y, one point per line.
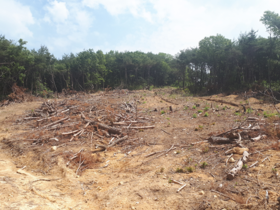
217	64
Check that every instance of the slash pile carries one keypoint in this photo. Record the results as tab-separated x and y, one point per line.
74	122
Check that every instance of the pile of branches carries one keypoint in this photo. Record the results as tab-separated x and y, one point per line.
17	96
75	122
251	130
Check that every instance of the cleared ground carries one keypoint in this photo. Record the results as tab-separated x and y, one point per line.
33	176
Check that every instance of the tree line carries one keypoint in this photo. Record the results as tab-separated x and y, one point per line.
217	64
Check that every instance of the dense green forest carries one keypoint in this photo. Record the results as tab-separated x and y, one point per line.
217	64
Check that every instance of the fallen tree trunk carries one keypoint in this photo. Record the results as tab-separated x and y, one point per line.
106	127
238	166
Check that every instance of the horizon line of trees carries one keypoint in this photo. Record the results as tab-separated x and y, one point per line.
217	64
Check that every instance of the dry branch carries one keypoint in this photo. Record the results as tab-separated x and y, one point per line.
220	140
118	141
238	166
125	122
71	132
31	118
165	132
257	138
56	122
176	182
181	188
143	127
223	195
168	101
229	158
253	164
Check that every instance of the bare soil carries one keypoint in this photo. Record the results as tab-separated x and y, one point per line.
32	176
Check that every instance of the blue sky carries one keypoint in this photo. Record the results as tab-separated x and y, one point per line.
66	26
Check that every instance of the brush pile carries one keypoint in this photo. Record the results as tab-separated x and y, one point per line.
17	96
75	122
251	130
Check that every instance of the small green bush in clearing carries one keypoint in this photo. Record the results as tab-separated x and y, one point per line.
194	116
194	107
204	164
206	108
245	166
186	108
162	112
179	170
237	113
190	169
224	108
206	114
199	111
249	110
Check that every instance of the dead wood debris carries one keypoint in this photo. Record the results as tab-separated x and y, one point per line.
77	122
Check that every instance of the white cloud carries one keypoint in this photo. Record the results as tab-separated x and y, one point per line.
15	19
117	7
181	24
58	11
72	26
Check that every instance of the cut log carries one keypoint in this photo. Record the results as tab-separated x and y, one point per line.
220	140
106	127
143	127
257	138
238	166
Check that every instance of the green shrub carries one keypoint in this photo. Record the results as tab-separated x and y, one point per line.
237	113
194	107
194	116
206	108
206	114
162	112
199	111
245	166
179	170
249	110
204	164
190	169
